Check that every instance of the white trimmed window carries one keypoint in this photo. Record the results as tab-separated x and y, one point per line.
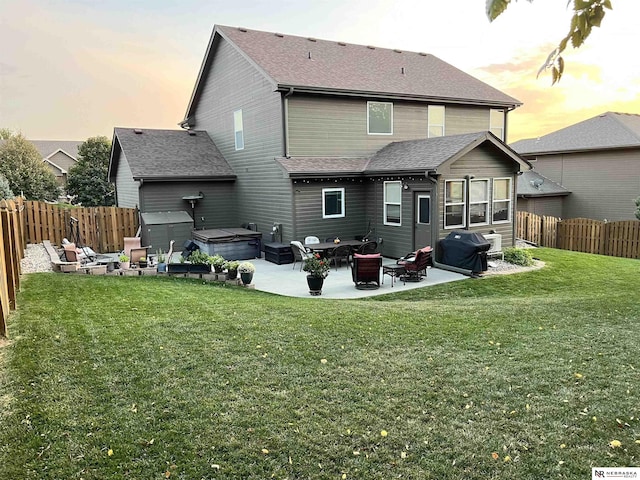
496	123
454	204
393	203
436	121
238	130
380	118
478	202
333	202
501	200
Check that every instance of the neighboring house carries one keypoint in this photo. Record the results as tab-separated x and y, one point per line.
597	160
540	195
59	156
327	138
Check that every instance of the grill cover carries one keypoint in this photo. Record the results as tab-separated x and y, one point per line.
467	250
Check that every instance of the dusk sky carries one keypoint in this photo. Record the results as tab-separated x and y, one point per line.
73	69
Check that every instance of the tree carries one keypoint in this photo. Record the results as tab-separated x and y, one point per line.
5	189
88	178
586	15
637	202
27	174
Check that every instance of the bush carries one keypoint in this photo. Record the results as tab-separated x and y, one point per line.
518	256
5	189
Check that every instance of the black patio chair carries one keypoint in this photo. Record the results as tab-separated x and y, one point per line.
341	252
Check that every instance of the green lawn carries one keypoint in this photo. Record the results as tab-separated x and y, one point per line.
523	376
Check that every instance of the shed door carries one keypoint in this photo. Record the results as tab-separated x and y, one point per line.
422	219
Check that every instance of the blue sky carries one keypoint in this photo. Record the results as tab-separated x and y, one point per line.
74	69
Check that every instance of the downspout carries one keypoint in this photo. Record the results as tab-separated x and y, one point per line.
285	129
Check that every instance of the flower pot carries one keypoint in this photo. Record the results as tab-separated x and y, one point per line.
246	277
142	264
315	285
124	265
233	274
217	268
178	267
162	267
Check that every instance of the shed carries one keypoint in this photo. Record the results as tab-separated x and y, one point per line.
159	228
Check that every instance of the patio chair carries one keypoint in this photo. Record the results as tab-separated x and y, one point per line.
311	239
368	248
300	253
341	252
131	244
366	271
416	264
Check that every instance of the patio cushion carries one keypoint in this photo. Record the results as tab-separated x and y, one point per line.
368	255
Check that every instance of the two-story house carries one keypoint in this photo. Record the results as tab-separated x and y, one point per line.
327	138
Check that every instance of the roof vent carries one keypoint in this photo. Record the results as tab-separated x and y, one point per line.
242	29
402	70
191	133
311	39
137	131
309	55
397	51
422	54
279	35
342	44
371	47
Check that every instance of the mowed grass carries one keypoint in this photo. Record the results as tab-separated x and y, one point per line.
522	376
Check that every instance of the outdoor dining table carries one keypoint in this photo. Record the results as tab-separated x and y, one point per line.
324	247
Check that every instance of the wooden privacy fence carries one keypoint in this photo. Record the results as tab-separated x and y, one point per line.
11	252
616	239
101	228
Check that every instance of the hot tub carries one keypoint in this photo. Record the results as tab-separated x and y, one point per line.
231	243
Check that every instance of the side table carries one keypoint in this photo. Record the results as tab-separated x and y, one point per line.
394	271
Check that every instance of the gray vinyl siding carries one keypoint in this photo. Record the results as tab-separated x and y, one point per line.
482	163
127	192
167	197
261	194
603	184
308	210
62	160
329	127
548	206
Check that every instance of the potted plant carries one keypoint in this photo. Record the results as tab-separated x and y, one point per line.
317	269
217	261
162	261
246	271
200	262
142	263
124	261
232	269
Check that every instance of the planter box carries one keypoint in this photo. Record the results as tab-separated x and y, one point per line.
178	267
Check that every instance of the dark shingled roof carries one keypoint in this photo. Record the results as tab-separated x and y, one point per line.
534	184
405	157
606	131
323	66
169	155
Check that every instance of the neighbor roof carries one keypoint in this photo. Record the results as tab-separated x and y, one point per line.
609	130
405	157
322	66
534	184
168	155
48	147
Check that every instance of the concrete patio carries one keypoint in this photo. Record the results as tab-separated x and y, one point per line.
291	282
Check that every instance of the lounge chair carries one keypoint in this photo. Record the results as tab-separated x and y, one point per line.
416	264
366	271
300	253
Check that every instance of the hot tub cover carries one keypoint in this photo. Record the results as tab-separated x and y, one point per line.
215	235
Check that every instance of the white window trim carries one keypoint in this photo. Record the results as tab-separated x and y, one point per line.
391	119
342	202
486	202
418	222
463	203
235	131
429	124
501	127
385	203
496	200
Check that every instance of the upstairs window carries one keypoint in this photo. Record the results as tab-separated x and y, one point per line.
479	202
332	202
393	203
436	121
238	129
496	123
379	118
454	204
501	200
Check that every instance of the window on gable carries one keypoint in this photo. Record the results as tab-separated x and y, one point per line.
436	121
393	203
238	129
496	123
479	202
379	118
333	203
501	200
454	204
